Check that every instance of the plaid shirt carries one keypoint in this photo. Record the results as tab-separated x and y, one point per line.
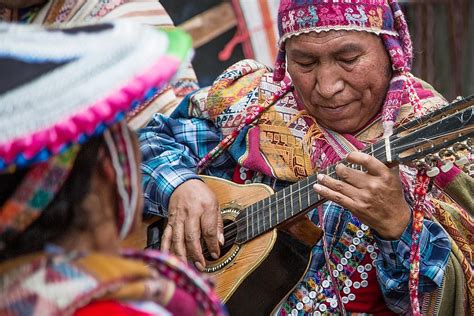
171	148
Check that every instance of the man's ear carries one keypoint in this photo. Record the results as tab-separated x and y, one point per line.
106	167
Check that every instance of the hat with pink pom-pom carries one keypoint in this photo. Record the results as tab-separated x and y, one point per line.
59	88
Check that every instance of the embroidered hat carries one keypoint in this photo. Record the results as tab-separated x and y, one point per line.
381	17
60	87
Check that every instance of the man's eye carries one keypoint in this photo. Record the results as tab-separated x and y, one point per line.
305	64
349	61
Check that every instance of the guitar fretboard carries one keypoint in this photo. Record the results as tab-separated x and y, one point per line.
291	201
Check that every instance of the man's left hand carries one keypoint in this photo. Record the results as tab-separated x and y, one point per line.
375	197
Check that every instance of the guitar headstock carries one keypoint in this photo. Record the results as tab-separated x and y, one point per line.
458	154
442	140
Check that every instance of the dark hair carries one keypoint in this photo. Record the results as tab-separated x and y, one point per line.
63	213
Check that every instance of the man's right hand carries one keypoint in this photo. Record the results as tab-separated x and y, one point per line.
193	212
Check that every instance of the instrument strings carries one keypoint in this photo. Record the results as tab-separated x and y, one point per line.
231	229
377	150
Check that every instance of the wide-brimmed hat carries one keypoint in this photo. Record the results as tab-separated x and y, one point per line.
60	87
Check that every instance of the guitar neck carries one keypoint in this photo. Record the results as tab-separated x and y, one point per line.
430	134
292	201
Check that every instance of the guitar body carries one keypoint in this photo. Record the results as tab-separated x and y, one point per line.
265	269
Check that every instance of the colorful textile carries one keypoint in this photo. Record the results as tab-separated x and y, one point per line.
257	29
119	143
44	121
149	12
381	17
38	120
34	194
282	146
61	283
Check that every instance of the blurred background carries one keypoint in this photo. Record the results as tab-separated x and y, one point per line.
225	31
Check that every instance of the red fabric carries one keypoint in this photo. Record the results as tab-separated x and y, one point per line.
368	299
236	177
182	303
443	179
109	308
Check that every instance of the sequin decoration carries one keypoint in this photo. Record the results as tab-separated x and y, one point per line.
316	295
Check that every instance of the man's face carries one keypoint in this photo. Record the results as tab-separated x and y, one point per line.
17	4
341	76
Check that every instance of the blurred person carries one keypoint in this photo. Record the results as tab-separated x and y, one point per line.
77	12
69	174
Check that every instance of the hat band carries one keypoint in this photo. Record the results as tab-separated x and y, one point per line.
335	28
375	17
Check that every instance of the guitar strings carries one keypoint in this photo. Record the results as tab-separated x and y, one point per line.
375	152
230	233
277	202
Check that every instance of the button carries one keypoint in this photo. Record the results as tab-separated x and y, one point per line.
370	248
317	313
373	255
294	312
348	254
364	283
356	285
360	234
306	300
325	284
368	267
299	306
346	290
312	294
352	248
360	269
356	241
364	276
364	227
335	273
339	267
333	303
344	261
348	282
351	297
345	300
322	307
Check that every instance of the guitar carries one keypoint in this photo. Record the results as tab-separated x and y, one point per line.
268	238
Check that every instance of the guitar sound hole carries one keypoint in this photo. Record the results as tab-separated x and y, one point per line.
230	234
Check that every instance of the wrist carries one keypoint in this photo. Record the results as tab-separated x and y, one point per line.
394	228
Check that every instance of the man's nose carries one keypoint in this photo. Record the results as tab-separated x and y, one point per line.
328	81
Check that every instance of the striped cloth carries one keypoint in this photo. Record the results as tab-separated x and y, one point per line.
257	20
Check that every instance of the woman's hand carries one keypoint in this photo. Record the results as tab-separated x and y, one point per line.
193	213
375	197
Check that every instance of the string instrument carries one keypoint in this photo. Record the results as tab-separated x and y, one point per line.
268	240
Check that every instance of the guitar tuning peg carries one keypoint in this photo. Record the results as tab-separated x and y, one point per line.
432	172
419	164
447	157
462	161
431	162
447	165
462	153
